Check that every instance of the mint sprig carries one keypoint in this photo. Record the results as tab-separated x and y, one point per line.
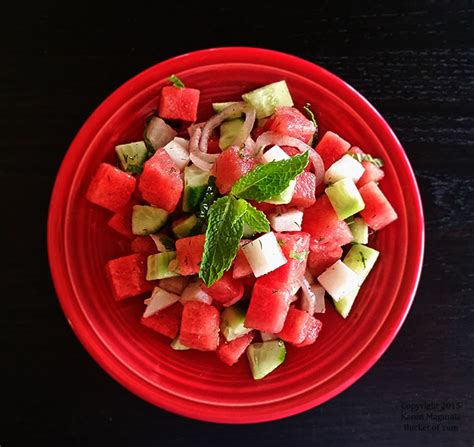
178	83
255	219
270	179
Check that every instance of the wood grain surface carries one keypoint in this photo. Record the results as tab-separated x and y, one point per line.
413	60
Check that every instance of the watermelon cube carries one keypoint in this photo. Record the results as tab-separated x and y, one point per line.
127	276
213	145
378	211
295	247
226	290
189	251
161	182
200	326
295	328
230	352
110	187
331	148
291	122
322	256
144	245
121	221
304	194
167	321
268	308
322	223
179	103
241	266
372	174
313	327
232	164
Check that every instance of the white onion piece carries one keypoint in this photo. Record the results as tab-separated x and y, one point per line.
159	133
274	138
250	144
159	300
308	298
216	120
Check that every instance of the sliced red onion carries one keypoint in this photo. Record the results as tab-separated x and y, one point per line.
200	159
158	133
308	298
267	138
216	120
319	293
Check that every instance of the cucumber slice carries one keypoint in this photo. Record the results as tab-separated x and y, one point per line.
338	280
230	130
264	254
195	184
163	242
132	156
265	357
345	198
158	266
147	219
360	230
185	227
220	106
267	98
178	346
232	323
345	167
361	260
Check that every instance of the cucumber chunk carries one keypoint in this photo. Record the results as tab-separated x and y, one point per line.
185	227
158	266
265	357
267	98
360	230
178	346
345	167
132	156
345	198
195	184
230	130
147	219
361	260
338	280
232	323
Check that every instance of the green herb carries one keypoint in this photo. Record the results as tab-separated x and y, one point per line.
178	83
256	220
210	195
224	231
268	180
299	255
363	258
310	114
134	169
367	157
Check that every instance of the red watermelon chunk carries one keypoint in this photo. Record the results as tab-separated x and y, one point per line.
304	194
295	327
179	103
167	321
331	148
378	211
313	328
213	145
200	326
291	122
110	187
121	225
372	174
226	290
266	208
161	182
189	251
143	245
268	308
127	276
322	223
241	266
322	256
230	352
232	164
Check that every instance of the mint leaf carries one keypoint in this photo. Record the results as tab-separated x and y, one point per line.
178	83
299	255
256	219
367	157
224	231
310	115
267	180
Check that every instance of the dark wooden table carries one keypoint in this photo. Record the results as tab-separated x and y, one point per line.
413	61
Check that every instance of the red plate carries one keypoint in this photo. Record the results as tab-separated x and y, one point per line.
197	384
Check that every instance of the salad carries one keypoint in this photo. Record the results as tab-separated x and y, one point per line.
241	225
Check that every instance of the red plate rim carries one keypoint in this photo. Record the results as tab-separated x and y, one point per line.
179	405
